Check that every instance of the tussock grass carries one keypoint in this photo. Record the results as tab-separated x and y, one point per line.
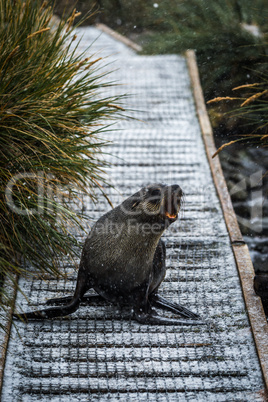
252	107
51	119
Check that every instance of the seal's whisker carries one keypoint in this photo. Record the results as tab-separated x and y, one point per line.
182	205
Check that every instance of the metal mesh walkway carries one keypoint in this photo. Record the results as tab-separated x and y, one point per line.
98	353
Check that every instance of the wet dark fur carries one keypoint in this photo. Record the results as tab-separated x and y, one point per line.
123	258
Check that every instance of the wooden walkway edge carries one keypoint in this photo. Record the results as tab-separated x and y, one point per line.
119	37
5	332
245	268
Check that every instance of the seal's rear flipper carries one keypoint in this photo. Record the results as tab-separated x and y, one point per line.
50	312
36	315
158	301
66	299
153	319
58	311
59	300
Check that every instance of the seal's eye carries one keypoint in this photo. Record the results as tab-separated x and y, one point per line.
155	196
156	192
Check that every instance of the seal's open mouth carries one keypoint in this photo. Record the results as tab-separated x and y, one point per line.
171	216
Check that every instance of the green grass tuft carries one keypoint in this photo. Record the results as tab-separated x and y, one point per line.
51	118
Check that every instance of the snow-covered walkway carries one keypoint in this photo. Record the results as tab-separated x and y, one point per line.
98	353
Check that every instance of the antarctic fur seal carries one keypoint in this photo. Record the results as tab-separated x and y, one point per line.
123	259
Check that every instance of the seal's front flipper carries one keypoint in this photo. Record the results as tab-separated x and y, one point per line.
158	301
153	319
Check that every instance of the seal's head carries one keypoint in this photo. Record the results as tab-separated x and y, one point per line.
158	202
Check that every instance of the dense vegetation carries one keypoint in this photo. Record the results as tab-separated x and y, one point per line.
50	122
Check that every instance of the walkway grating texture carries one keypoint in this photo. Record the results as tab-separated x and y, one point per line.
98	353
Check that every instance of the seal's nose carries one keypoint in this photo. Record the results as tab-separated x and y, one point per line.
177	194
173	195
